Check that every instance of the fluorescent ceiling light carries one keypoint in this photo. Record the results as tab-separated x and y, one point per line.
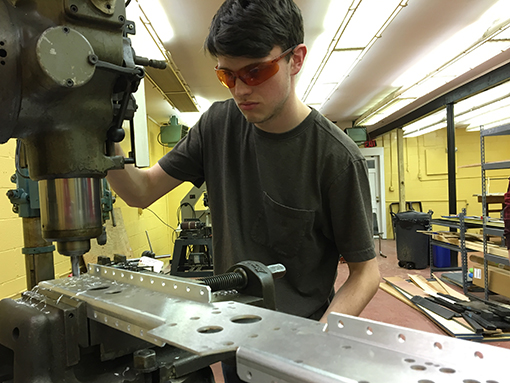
457	68
158	18
472	46
490	125
337	66
370	16
316	96
457	44
143	43
426	121
356	28
385	111
476	57
490	108
424	130
486	97
488	115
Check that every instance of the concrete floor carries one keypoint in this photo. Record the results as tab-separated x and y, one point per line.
386	308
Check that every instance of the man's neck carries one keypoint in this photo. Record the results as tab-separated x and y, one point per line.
293	114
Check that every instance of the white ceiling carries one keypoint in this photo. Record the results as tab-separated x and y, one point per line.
416	31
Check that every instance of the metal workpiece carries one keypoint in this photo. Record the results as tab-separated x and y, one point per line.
271	346
353	350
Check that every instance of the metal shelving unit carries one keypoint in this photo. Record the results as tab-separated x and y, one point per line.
502	130
461	225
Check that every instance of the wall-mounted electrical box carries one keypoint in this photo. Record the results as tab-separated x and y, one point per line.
171	133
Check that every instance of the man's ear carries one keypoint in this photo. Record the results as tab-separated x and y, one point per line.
298	58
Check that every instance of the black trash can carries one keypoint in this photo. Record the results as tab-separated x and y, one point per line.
412	247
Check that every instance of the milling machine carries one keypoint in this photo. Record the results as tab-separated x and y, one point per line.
68	73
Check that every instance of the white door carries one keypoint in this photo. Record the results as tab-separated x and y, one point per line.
375	164
372	163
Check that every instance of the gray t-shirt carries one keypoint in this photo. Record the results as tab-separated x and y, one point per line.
299	198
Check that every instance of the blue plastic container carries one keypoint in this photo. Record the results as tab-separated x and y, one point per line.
441	256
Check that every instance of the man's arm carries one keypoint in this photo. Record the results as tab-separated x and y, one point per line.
140	187
358	289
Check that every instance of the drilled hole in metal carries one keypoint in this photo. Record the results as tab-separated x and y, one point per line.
99	288
418	367
243	319
209	329
447	370
3	53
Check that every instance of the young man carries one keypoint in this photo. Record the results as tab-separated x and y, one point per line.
285	185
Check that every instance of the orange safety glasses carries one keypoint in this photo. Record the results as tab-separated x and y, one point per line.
253	74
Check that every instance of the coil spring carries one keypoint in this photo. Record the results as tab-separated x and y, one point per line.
226	281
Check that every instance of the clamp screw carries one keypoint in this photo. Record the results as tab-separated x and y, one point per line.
69	83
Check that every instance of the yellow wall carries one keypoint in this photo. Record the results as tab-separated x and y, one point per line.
426	178
137	221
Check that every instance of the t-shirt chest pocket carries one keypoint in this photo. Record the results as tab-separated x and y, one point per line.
281	228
